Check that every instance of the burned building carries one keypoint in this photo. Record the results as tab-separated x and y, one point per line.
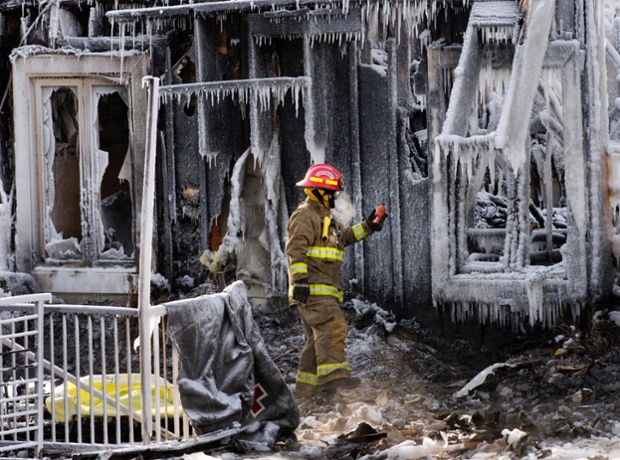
488	128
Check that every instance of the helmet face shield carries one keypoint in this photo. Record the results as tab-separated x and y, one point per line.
324	177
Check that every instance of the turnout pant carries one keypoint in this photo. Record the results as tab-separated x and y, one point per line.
322	358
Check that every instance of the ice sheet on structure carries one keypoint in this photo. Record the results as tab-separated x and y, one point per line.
275	207
272	215
493	13
236	214
6	223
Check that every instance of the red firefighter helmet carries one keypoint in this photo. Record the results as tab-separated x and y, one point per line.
322	176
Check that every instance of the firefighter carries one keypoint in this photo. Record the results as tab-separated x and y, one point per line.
315	251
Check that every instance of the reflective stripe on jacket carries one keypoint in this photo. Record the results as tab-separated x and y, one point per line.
309	256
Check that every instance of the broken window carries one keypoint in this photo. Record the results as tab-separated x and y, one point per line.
84	141
548	205
541	205
510	210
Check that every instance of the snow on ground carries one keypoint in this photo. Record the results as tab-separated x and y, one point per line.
423	397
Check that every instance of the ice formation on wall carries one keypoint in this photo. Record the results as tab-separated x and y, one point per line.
514	122
274	211
519	158
396	14
275	216
6	224
260	91
330	37
406	13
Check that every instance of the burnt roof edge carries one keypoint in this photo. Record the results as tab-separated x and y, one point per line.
227	6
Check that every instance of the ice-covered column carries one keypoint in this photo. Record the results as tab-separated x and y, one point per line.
6	201
213	147
597	138
356	174
314	129
260	261
260	64
394	192
513	127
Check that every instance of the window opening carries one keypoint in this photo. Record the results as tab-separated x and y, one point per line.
87	179
548	204
116	208
63	229
495	201
486	232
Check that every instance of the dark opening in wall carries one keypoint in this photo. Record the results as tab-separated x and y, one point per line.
116	209
66	213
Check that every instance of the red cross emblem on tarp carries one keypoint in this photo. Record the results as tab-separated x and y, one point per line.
259	394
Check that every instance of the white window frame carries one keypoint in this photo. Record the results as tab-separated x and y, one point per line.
30	74
92	164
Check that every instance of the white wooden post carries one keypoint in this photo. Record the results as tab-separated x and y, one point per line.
146	250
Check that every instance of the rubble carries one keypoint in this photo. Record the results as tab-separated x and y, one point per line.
530	404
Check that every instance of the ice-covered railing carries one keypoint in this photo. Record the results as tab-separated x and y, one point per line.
261	91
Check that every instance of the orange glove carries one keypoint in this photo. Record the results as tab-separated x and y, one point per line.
376	218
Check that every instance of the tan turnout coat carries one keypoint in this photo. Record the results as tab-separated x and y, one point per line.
309	256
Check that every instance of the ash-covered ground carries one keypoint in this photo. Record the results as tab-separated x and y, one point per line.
426	397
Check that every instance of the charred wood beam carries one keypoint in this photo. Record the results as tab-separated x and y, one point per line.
18	5
207	65
169	181
537	214
13	5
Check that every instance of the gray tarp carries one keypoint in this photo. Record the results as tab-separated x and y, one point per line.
226	375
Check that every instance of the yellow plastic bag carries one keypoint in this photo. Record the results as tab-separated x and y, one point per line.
115	389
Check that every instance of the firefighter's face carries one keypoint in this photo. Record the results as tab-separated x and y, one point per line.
330	197
325	197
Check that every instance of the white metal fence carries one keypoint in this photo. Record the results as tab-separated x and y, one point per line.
71	377
21	374
85	377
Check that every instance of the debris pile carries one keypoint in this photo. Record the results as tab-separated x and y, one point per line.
422	396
